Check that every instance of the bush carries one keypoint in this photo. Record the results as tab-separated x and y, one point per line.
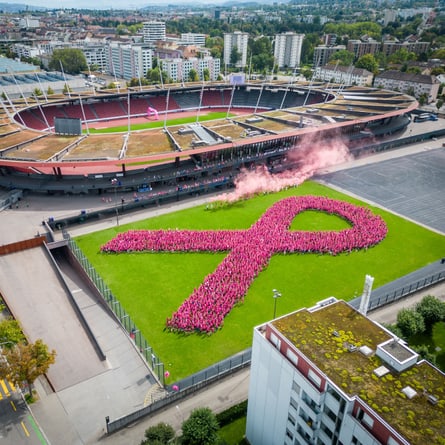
233	413
160	434
201	428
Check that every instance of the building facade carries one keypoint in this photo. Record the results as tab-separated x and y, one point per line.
287	49
390	47
239	41
360	48
192	38
153	30
178	69
129	61
323	53
417	85
344	75
329	375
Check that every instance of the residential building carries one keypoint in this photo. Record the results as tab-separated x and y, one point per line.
345	75
416	85
323	53
390	47
25	51
129	61
360	48
287	49
330	375
236	40
178	69
153	30
96	54
192	38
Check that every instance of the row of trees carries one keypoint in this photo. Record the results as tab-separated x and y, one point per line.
22	362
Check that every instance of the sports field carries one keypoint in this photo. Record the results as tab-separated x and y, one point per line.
151	286
144	123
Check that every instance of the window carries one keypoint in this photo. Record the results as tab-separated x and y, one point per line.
292	356
289	434
296	387
314	378
291	419
275	340
293	404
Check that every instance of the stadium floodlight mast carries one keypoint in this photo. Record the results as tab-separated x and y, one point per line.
114	182
275	296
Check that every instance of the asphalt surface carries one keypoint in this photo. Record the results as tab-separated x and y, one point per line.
76	413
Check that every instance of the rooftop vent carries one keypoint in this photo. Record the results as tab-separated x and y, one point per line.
433	400
381	371
366	350
409	392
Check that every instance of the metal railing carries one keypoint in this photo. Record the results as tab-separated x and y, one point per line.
146	350
185	387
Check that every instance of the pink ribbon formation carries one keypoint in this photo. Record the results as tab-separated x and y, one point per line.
249	252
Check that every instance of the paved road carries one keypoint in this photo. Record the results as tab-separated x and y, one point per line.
17	424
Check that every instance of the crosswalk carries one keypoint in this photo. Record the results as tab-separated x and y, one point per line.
6	388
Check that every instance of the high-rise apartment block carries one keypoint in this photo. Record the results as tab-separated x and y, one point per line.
129	61
329	375
239	41
153	31
287	50
323	53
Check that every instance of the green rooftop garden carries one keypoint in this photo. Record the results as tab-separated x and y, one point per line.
324	336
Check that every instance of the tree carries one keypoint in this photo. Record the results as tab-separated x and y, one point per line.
206	74
410	322
432	311
368	62
25	362
10	333
200	428
235	55
439	104
49	91
160	434
344	57
193	75
72	60
66	89
37	92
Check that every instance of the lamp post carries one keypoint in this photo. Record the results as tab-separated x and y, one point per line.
115	182
275	296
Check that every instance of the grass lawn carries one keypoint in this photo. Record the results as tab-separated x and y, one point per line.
151	286
233	433
160	123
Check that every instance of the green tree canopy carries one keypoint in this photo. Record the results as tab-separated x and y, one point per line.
160	434
432	310
72	60
343	57
235	56
25	362
193	76
10	333
201	428
368	62
410	322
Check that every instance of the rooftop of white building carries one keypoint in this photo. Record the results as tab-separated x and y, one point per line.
364	360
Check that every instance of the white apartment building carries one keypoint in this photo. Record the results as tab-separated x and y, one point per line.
329	375
192	38
323	53
239	40
344	75
414	84
96	54
179	69
128	61
287	50
153	30
25	51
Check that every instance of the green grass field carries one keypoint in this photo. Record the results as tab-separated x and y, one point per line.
159	123
151	286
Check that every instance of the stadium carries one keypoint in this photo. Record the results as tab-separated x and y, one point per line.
183	139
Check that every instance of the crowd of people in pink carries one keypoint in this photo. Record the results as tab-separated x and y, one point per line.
250	251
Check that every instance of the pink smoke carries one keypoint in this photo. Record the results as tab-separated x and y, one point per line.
310	155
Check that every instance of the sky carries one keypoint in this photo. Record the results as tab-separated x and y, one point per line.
105	4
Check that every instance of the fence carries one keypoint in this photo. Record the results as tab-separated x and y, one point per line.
186	387
144	347
381	300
